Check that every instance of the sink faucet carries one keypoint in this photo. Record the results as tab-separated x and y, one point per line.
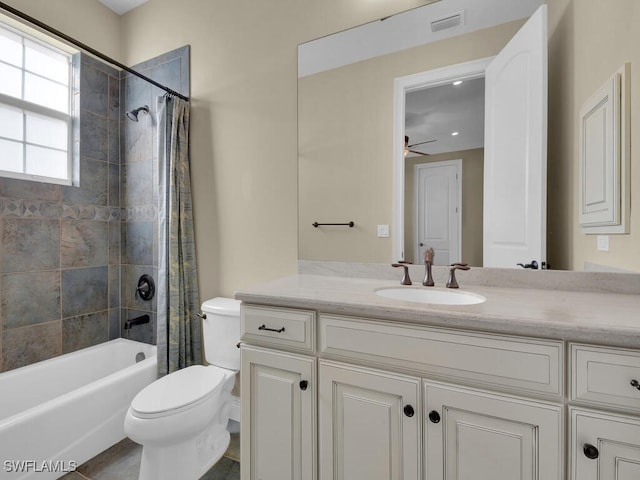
428	262
452	282
405	276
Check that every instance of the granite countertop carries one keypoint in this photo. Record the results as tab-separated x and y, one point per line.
603	318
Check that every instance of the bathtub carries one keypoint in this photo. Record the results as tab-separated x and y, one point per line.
59	413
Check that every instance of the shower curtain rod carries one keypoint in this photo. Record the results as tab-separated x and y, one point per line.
87	48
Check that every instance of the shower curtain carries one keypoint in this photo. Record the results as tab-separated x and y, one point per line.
178	326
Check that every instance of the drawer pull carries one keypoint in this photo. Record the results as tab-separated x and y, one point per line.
434	416
635	383
590	451
264	327
408	411
304	384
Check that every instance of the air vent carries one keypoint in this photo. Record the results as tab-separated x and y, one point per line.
450	21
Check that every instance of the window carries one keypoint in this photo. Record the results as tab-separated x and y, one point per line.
35	108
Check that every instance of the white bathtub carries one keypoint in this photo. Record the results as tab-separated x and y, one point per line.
57	414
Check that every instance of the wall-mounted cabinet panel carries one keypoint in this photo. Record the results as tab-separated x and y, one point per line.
605	157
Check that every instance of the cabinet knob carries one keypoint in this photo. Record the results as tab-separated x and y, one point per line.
303	384
409	411
434	416
590	451
635	383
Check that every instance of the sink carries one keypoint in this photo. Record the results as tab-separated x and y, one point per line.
431	295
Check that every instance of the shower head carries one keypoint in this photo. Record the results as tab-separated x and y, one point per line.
133	114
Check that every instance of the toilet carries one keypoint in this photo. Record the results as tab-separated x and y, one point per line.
181	419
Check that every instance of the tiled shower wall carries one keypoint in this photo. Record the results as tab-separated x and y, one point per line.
140	178
70	257
60	246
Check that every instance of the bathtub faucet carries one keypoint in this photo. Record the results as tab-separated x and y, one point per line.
136	321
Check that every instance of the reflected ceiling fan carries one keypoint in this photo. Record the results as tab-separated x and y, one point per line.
409	148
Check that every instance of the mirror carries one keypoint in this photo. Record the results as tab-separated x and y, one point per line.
346	140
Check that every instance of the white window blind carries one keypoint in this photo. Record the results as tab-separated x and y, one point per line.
35	109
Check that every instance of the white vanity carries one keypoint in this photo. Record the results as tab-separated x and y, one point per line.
341	383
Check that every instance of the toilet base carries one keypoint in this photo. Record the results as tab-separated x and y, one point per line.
187	460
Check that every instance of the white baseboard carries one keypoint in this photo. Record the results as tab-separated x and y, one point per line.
235	408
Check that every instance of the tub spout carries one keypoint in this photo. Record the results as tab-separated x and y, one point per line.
136	321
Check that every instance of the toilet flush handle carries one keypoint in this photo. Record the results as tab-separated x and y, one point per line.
202	315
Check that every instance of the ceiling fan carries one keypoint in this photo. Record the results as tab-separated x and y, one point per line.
408	148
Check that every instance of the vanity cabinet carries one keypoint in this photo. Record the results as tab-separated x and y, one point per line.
396	401
481	435
604	413
279	398
369	424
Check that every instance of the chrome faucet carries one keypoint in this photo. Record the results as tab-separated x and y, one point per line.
452	282
405	276
428	262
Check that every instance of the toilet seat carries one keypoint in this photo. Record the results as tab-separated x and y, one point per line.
178	391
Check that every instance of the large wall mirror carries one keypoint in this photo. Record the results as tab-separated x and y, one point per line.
347	137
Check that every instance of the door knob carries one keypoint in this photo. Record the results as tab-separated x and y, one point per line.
409	411
434	416
590	451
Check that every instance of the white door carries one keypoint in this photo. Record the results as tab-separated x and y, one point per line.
515	162
438	211
369	424
476	435
604	446
277	437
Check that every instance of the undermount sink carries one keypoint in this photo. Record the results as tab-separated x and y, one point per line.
430	295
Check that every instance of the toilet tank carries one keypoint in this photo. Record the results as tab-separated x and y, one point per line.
221	332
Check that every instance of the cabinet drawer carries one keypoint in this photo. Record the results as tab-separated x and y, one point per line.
285	327
504	362
605	376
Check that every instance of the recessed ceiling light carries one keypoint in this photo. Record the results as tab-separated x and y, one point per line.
453	134
457	82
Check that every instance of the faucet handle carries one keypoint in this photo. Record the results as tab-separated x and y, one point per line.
452	282
405	276
429	254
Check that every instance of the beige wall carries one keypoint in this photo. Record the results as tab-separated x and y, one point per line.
88	21
588	41
472	199
345	143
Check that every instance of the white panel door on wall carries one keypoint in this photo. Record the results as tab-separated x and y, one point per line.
278	428
438	214
369	424
515	163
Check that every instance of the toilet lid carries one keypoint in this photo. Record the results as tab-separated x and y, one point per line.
177	390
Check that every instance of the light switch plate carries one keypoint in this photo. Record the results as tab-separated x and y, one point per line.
603	243
383	230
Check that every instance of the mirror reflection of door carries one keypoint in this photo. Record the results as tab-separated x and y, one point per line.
438	210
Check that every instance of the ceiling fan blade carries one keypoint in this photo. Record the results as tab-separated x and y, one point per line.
421	143
417	152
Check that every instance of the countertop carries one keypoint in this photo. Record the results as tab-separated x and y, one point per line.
602	318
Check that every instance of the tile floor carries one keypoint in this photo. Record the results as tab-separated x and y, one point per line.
122	462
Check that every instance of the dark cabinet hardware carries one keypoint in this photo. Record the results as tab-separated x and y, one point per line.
408	411
533	265
434	416
590	451
635	383
264	327
303	384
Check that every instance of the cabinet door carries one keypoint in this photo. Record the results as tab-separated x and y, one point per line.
278	411
369	424
604	446
477	435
